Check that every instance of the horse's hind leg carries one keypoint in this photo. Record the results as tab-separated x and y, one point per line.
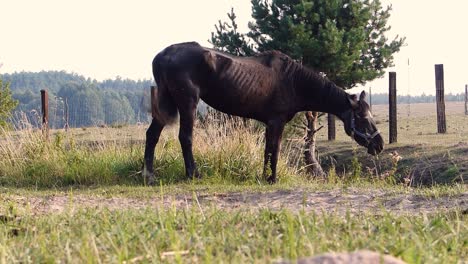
152	138
164	111
186	97
187	120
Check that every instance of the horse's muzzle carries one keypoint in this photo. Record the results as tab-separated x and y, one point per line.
376	146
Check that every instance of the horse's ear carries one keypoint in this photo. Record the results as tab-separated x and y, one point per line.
353	101
362	97
210	59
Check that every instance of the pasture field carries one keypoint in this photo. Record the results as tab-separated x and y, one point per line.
80	197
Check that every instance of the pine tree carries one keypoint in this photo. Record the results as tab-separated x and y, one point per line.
7	103
228	39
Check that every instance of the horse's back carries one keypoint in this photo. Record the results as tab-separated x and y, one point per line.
244	86
178	55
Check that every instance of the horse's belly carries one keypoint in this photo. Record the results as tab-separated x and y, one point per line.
229	97
232	106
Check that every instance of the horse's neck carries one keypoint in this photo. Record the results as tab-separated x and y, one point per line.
322	95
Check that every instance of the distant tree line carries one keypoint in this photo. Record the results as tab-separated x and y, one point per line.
89	102
414	99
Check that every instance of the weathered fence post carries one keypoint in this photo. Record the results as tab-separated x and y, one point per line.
66	114
466	99
45	114
153	98
439	76
392	108
331	127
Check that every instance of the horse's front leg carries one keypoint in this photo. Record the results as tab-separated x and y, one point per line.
152	138
274	132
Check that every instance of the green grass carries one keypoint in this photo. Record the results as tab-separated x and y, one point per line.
31	162
105	162
228	154
230	160
223	155
220	236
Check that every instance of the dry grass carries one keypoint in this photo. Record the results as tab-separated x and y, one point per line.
224	150
418	124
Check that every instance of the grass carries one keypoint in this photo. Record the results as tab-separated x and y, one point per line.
230	159
428	158
222	157
225	154
219	236
105	162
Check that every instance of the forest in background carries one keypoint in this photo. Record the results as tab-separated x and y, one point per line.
115	101
89	102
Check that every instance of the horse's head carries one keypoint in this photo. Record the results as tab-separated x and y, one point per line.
360	125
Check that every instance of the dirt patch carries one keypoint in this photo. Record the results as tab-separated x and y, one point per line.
358	257
353	201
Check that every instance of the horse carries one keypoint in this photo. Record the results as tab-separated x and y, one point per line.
269	87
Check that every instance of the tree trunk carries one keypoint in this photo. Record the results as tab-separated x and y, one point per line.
331	127
311	161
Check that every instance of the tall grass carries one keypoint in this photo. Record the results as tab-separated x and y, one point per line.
220	236
224	151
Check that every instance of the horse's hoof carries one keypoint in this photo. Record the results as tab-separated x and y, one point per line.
148	177
271	180
194	175
150	181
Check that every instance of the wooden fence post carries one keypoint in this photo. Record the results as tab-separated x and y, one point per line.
439	76
392	108
331	127
45	114
153	98
66	114
466	99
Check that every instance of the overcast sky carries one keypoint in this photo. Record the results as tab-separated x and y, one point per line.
107	38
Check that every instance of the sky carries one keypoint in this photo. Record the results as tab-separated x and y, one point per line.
102	39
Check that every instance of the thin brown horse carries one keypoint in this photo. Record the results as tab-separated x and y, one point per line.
270	87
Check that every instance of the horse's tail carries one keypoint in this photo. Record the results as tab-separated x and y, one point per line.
163	107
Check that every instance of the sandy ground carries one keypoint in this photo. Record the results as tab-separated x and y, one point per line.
354	201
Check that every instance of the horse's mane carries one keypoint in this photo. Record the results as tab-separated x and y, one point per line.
290	67
299	75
